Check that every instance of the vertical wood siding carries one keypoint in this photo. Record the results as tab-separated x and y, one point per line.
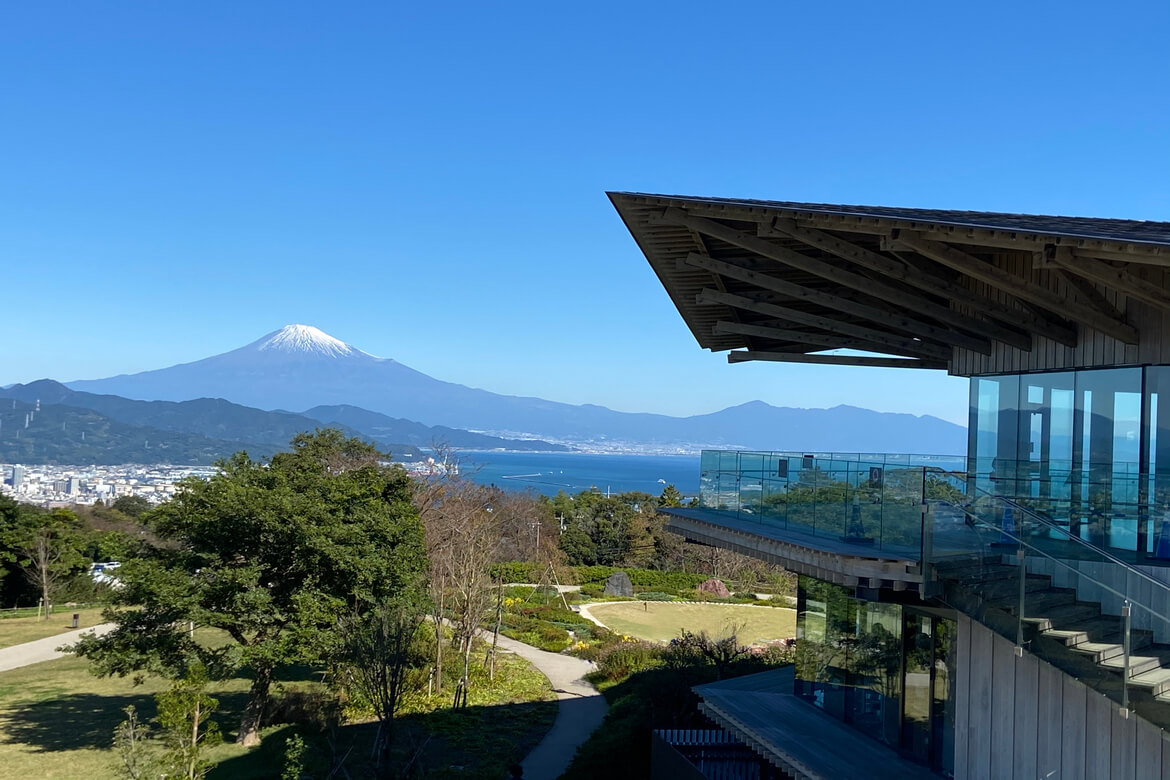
1019	718
1094	349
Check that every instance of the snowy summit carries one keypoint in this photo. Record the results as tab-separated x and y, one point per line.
306	338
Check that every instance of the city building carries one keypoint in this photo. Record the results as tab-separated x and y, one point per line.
999	613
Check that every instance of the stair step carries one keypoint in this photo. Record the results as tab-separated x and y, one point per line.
1098	651
1061	616
1157	681
1047	599
1009	589
1138	664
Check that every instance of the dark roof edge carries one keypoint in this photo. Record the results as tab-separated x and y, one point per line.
1045	225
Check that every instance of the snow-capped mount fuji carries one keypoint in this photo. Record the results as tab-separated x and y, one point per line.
300	367
305	339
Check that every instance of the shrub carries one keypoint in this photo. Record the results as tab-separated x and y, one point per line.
516	571
593	590
620	660
744	596
652	595
313	707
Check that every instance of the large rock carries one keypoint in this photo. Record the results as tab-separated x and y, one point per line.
619	584
715	588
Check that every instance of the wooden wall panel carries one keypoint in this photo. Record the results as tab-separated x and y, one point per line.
1027	705
1094	349
1003	684
1072	754
1122	746
979	717
1148	751
962	695
1050	727
1098	736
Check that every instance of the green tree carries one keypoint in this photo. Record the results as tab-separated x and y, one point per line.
48	548
132	506
270	553
670	497
184	713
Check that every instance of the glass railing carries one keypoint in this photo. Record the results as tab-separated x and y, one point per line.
1089	613
1104	503
1034	555
868	500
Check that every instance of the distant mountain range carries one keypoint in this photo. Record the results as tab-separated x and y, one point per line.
77	427
300	367
52	433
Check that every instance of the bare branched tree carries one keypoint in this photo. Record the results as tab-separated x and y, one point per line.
377	650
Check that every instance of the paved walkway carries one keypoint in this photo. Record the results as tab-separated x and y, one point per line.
588	615
45	649
581	710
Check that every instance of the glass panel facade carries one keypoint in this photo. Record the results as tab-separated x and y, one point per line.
871	500
885	669
1089	449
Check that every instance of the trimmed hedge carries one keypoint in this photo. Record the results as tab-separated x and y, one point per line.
521	571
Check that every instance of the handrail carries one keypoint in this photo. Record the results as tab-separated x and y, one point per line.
1028	511
1124	598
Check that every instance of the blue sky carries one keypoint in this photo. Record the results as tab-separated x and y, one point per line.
427	181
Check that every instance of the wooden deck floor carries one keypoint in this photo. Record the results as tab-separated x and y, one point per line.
763	713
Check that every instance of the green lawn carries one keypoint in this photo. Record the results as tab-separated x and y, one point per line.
57	721
14	631
661	621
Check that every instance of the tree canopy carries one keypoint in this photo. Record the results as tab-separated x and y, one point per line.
271	553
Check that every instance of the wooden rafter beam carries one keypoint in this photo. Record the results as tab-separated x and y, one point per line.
1024	289
905	299
830	301
1158	260
1014	238
833	360
1118	278
896	269
824	340
1091	295
877	337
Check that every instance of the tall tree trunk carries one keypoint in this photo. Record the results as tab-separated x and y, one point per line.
438	618
249	735
43	562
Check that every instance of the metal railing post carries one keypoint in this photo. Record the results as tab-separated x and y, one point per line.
1125	649
1020	608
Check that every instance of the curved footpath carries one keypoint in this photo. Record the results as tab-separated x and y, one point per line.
45	649
580	711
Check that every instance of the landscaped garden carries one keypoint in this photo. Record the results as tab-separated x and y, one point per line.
662	621
57	720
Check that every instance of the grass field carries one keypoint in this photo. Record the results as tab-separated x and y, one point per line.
661	621
14	631
57	722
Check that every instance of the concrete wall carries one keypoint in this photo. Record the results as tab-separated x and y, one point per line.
1019	718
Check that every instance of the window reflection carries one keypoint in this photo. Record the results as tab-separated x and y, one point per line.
1069	445
882	668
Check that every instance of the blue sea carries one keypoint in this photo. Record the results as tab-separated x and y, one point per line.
572	472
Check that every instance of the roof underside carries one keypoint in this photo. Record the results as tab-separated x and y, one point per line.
789	281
